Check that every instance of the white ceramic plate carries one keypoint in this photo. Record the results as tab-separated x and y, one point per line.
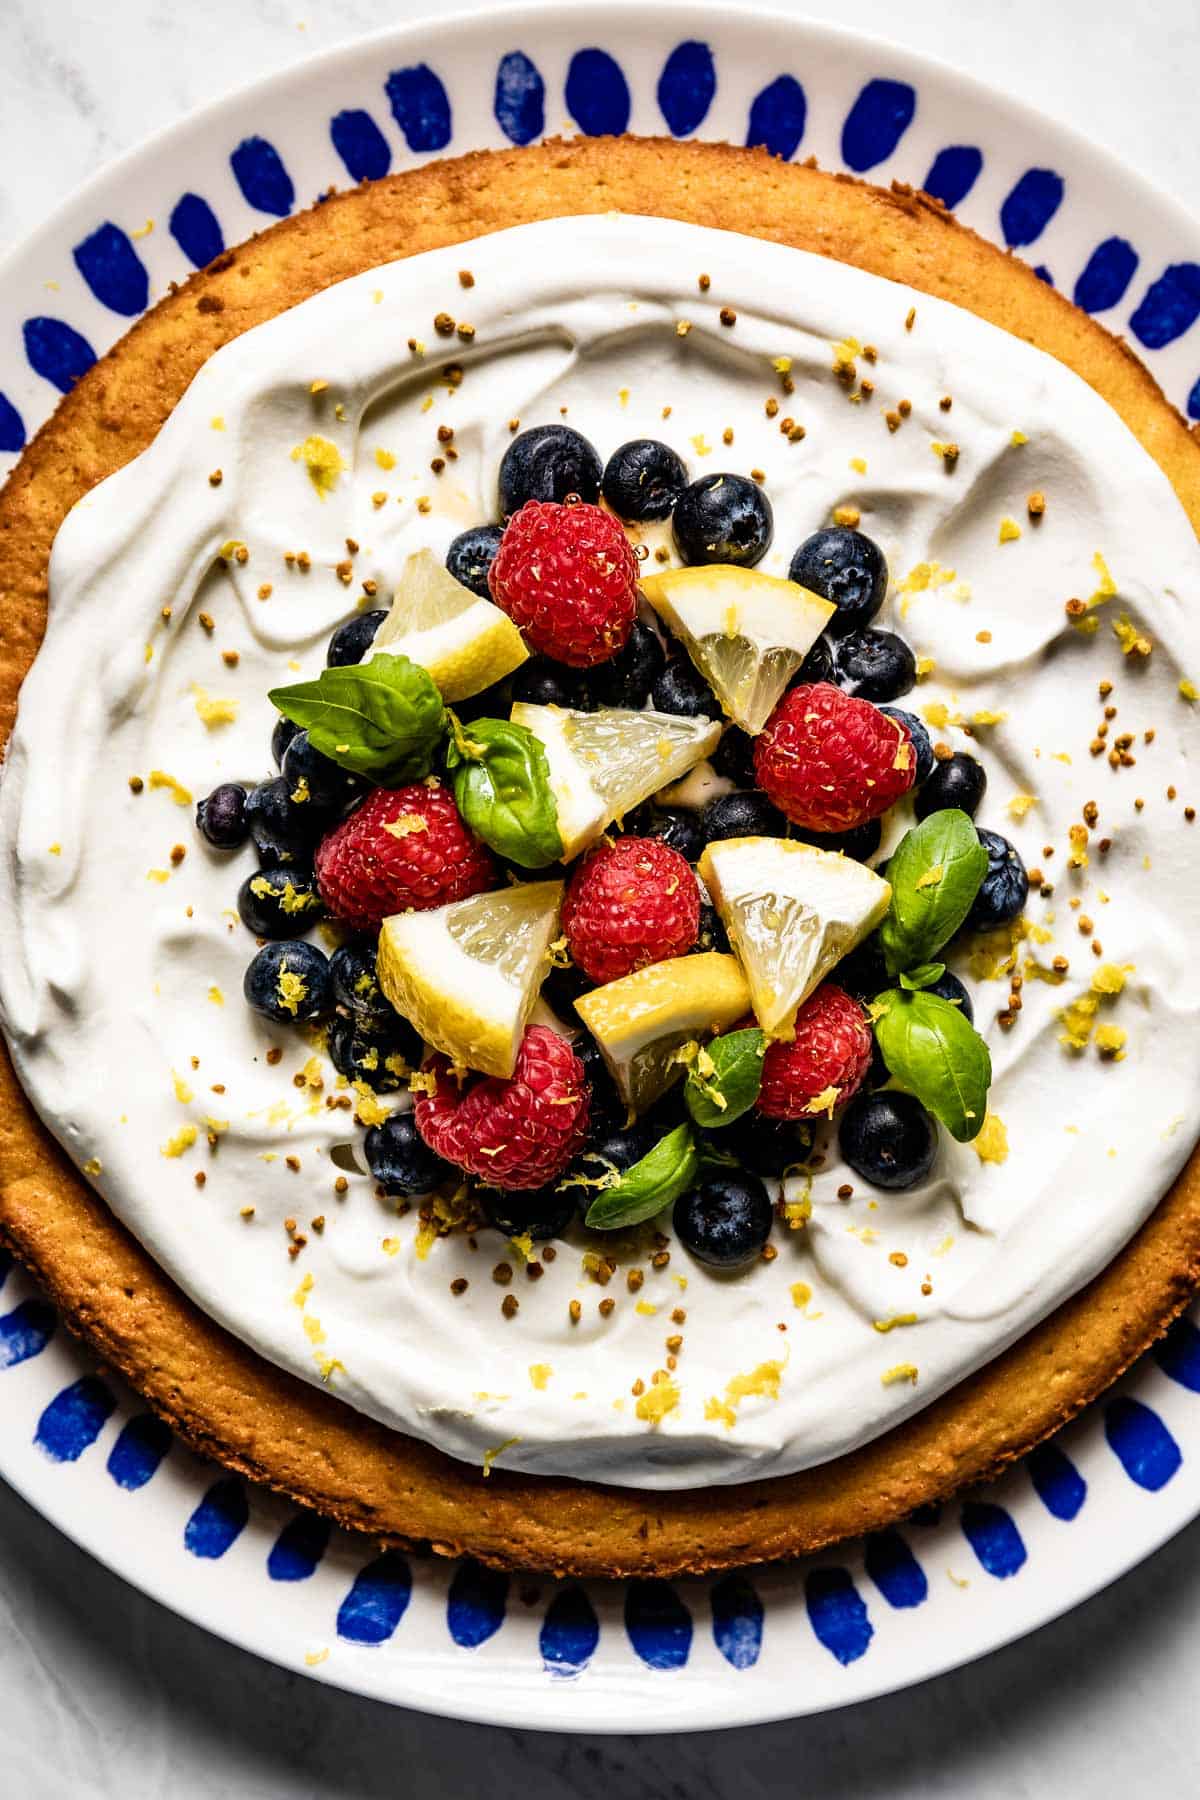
639	1656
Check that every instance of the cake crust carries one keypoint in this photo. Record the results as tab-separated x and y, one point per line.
219	1395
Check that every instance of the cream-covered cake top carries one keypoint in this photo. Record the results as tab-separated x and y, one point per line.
214	568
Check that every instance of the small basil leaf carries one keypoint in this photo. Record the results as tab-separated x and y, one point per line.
501	780
382	719
922	977
724	1080
935	872
712	1157
932	1050
669	1170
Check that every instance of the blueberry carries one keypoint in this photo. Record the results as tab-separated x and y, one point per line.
817	665
562	988
288	983
607	1109
734	757
542	683
950	988
400	1159
843	566
960	781
383	1059
678	826
723	519
1005	887
492	703
221	816
284	831
863	973
629	677
548	462
888	1138
279	903
921	741
668	1111
285	730
541	1213
861	843
620	1147
643	479
742	815
681	689
314	780
725	1221
711	934
356	988
878	1075
351	641
874	665
472	554
766	1147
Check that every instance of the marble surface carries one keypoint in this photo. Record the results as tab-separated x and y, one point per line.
105	1694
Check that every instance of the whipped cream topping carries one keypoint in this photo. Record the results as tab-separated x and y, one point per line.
121	963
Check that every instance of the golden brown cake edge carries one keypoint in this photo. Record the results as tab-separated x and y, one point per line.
223	1399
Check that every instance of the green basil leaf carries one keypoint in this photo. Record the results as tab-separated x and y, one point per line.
935	873
642	1192
922	977
382	719
712	1157
724	1080
501	780
933	1050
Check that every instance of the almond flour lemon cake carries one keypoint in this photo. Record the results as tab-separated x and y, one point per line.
597	857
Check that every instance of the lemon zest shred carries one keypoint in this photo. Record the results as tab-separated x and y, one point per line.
661	1398
489	1456
158	778
991	1142
211	711
322	461
183	1140
900	1372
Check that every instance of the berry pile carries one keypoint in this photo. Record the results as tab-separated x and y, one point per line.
835	756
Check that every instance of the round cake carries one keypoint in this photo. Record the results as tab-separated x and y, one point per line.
693	1054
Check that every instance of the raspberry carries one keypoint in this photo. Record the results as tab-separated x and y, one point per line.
567	578
404	849
518	1133
629	904
830	761
826	1061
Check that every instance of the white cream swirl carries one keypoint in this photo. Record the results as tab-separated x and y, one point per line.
121	967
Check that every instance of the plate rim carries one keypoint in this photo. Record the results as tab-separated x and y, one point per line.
687	11
771	1703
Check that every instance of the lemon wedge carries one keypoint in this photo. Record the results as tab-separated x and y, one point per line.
603	764
746	633
641	1020
792	912
464	642
468	975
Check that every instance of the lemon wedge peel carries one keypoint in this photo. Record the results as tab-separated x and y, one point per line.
642	1020
466	643
792	912
603	764
746	632
468	975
